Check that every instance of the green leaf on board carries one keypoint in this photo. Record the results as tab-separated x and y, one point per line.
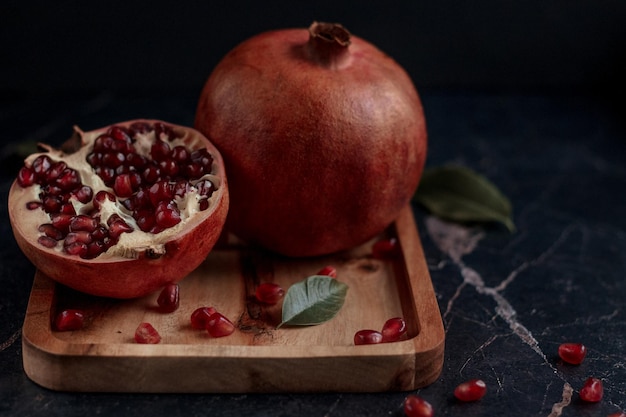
459	194
312	301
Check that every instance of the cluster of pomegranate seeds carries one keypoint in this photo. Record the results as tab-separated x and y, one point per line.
393	330
328	270
472	390
416	406
146	334
69	320
572	353
214	322
269	293
146	187
617	414
385	249
592	391
169	298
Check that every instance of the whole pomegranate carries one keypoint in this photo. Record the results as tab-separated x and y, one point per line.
123	210
322	134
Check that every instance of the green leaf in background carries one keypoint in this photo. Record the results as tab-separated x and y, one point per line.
459	194
313	301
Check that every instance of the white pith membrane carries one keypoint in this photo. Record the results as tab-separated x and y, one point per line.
130	244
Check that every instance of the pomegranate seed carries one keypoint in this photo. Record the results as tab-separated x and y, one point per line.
169	167
572	353
219	326
136	161
123	186
200	317
101	197
617	414
76	248
139	128
269	293
119	133
33	205
47	241
49	230
205	188
69	180
145	220
52	204
147	334
69	320
180	154
102	143
107	175
161	191
472	390
61	221
415	406
592	391
26	177
67	208
117	226
41	165
167	215
385	249
113	159
163	131
203	158
203	204
83	222
329	270
394	329
193	170
367	337
55	171
94	249
84	194
151	174
160	151
169	299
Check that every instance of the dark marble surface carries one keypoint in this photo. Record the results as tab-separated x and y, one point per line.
507	300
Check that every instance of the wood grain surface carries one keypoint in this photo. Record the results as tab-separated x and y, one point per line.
103	357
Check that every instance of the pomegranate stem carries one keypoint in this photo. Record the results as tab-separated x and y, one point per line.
328	44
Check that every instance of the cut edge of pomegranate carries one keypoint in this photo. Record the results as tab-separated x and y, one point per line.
51	260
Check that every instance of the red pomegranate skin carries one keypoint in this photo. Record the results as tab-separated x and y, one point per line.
128	277
320	156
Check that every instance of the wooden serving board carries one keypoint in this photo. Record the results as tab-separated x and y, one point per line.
103	357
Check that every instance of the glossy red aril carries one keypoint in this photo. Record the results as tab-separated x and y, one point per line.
328	270
385	249
472	390
592	391
617	414
416	406
169	298
123	210
394	329
367	337
68	320
269	293
200	317
309	110
572	353
147	334
219	326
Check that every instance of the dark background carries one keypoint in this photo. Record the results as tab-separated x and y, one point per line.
160	48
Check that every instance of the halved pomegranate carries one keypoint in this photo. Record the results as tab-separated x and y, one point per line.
128	209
